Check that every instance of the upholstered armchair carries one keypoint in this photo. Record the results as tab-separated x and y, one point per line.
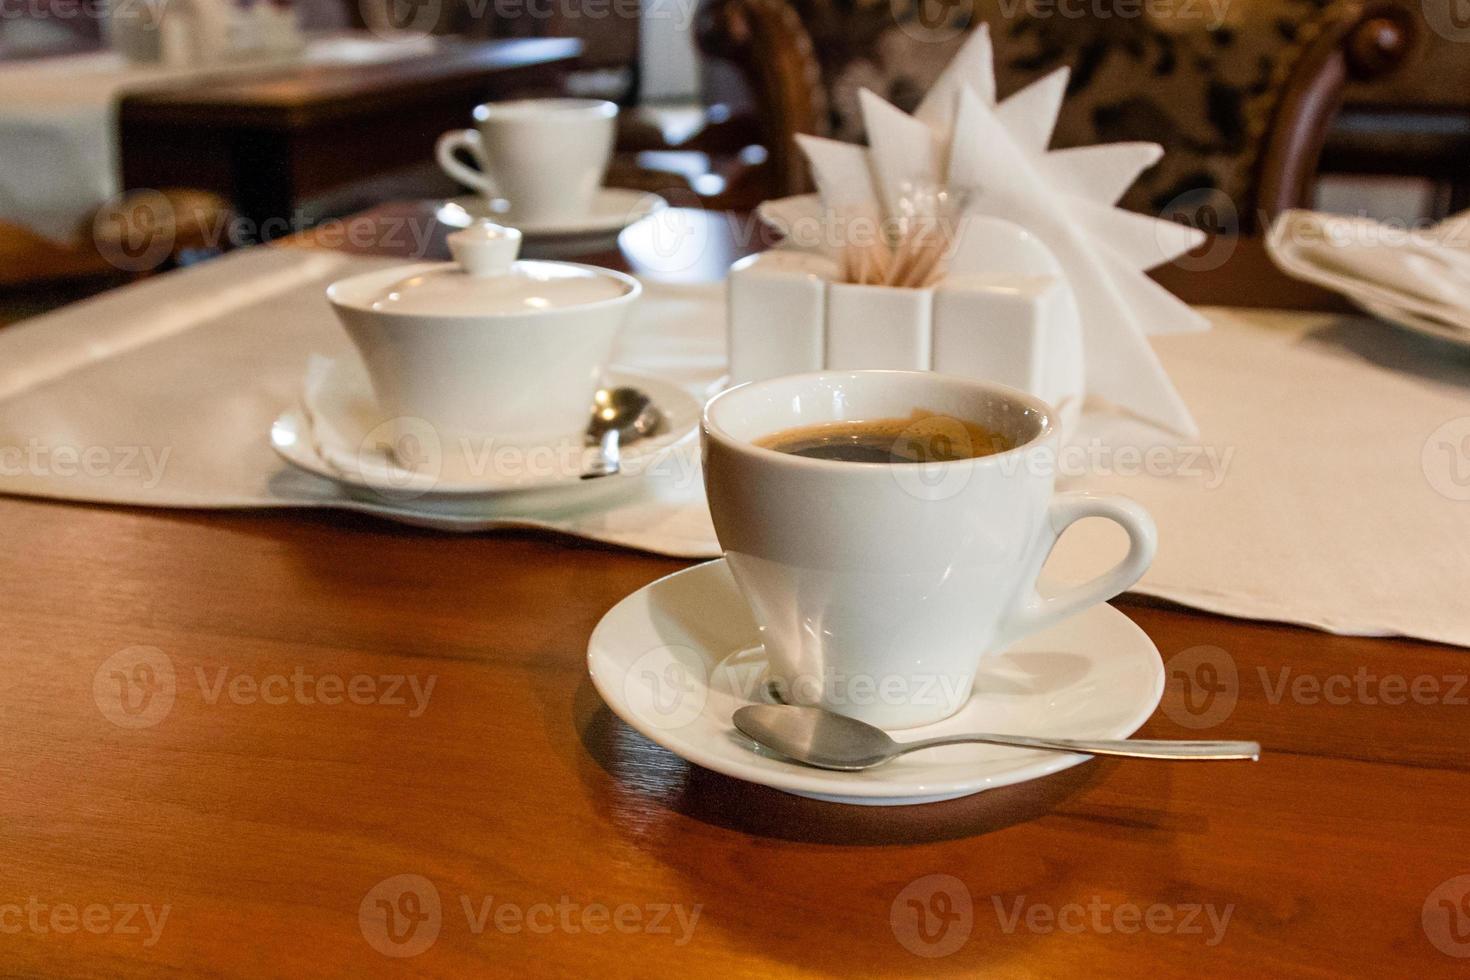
1241	103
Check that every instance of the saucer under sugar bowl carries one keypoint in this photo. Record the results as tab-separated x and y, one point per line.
484	348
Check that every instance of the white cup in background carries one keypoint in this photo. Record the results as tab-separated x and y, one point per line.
546	157
879	587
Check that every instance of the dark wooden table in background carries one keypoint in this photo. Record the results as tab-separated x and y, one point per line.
265	824
269	142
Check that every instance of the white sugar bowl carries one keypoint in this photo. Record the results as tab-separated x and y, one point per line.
485	347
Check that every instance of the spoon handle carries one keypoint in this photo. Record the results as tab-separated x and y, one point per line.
1126	748
609	456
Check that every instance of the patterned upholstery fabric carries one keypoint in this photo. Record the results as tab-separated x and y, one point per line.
1201	78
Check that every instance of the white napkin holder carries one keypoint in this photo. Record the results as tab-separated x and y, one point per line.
1003	313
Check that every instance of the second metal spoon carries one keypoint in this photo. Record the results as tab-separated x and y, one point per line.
820	738
619	416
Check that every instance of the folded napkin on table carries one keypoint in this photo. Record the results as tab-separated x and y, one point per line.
1422	270
168	389
990	158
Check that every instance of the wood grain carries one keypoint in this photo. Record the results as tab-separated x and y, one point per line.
263	827
305	96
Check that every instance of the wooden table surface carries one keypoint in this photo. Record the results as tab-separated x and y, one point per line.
307	95
354	702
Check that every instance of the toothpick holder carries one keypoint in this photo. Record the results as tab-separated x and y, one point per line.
788	314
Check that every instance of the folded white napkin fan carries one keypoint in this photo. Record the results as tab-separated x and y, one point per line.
956	242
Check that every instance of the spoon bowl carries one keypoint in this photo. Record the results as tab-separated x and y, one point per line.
619	416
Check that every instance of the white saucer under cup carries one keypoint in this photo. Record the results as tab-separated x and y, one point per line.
337	433
612	209
675	659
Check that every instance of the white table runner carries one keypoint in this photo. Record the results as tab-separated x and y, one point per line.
58	122
1332	487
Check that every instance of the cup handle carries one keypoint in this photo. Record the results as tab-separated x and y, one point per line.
468	140
1035	612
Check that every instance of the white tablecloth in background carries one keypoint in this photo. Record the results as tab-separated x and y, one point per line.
1338	495
58	122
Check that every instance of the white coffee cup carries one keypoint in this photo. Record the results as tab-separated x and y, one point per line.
879	587
546	157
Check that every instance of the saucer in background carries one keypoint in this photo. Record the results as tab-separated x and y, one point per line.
613	209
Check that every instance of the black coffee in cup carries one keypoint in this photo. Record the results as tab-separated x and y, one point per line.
922	437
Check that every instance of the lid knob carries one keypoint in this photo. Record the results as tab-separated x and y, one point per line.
485	248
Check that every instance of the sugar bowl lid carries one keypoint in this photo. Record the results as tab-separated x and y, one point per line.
485	280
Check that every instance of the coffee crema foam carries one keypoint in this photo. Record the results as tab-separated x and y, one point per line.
921	437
